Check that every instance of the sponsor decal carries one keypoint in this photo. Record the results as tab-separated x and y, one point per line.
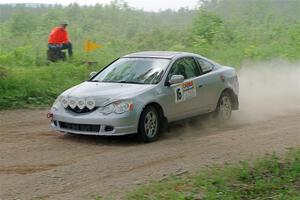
185	91
179	94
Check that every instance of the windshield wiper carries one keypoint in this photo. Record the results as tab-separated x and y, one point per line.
130	82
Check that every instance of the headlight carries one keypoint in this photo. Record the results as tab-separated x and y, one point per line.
73	102
90	103
117	107
65	102
123	106
81	103
107	109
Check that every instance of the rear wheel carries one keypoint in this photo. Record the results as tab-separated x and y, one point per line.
224	108
149	125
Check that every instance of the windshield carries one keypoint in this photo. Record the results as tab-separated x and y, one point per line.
134	70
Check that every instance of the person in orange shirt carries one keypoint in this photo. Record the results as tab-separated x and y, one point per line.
59	39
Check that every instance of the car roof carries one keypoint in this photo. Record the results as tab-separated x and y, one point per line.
158	54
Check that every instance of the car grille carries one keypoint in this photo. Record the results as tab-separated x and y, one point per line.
78	110
80	127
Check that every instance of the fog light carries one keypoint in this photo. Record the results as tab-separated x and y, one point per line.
109	128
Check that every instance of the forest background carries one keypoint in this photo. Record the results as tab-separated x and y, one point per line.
230	32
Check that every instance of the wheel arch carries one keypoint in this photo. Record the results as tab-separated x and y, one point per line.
157	106
160	111
233	96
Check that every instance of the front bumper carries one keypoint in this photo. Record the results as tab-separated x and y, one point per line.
94	123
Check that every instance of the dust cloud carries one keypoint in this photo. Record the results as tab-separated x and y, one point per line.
268	90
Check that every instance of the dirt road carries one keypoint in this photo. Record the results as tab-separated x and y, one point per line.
36	163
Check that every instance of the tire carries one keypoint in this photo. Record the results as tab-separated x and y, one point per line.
149	125
224	107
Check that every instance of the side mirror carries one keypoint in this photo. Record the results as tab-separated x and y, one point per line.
92	74
176	79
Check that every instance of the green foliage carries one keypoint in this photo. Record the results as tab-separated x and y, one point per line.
23	23
254	30
267	178
207	25
228	31
117	27
21	56
21	86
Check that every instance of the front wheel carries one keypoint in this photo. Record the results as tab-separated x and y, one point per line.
224	108
149	125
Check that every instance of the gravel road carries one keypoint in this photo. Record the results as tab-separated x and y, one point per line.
37	163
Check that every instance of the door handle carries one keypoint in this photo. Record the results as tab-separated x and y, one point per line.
200	86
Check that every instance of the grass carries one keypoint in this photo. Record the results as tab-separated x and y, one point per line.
269	177
22	87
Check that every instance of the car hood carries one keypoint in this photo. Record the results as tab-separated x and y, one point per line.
105	93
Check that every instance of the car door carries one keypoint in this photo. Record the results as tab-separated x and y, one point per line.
208	85
181	98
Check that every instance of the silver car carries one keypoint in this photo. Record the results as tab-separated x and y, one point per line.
141	92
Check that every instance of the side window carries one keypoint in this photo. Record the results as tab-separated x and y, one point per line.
186	67
205	65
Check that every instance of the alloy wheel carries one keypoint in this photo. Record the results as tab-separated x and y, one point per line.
151	124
